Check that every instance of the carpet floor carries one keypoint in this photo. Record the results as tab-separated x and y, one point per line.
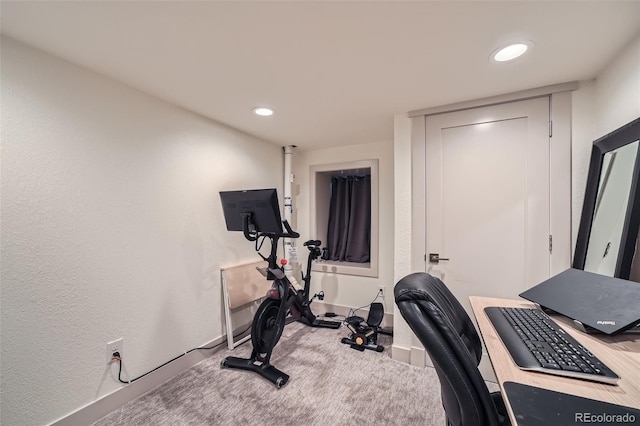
330	384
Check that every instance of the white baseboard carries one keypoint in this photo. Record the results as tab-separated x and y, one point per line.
419	357
96	410
400	353
414	356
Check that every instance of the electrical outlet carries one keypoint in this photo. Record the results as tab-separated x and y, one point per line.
381	290
115	346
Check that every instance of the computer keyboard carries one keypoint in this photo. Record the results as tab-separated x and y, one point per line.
535	342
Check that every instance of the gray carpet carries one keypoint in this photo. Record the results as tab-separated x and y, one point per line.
330	384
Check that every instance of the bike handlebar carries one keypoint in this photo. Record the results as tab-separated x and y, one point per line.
253	235
290	232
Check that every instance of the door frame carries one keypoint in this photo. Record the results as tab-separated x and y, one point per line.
559	191
559	170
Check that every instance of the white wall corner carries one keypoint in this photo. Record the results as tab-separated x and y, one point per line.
402	195
560	201
402	334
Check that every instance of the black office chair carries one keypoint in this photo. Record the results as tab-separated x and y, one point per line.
451	340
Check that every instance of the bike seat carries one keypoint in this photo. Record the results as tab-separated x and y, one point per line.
316	243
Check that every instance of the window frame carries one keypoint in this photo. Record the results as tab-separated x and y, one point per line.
319	190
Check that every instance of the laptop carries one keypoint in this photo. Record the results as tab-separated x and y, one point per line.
596	303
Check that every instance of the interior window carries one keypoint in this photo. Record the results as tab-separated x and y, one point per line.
344	215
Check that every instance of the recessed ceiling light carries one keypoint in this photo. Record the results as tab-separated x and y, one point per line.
511	51
263	111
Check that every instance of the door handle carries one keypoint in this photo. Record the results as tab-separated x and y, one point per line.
435	258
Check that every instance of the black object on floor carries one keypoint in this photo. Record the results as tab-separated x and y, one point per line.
533	406
365	335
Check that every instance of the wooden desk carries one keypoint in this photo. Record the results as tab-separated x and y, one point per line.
621	353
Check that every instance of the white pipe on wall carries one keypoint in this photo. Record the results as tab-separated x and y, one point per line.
288	244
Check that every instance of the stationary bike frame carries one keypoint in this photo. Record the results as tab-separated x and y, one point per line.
284	304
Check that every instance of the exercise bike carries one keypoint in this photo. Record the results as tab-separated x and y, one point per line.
283	305
310	319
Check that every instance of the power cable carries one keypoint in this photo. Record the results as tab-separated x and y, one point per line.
117	357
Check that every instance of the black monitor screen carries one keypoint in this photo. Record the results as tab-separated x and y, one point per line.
261	203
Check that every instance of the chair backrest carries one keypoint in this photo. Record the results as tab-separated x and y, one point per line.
376	314
452	342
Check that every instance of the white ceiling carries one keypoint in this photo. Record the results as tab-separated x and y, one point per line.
336	72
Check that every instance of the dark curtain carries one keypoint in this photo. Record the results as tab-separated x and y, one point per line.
349	230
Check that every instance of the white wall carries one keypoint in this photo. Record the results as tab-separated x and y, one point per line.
600	106
402	335
111	227
348	290
618	90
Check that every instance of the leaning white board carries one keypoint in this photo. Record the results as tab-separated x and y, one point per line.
242	285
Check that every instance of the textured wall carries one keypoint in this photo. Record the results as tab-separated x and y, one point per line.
111	227
599	107
618	90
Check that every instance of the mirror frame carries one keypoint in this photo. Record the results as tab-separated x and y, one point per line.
618	138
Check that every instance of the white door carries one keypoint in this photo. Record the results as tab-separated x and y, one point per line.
487	198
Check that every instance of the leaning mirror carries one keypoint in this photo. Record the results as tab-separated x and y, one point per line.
611	211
